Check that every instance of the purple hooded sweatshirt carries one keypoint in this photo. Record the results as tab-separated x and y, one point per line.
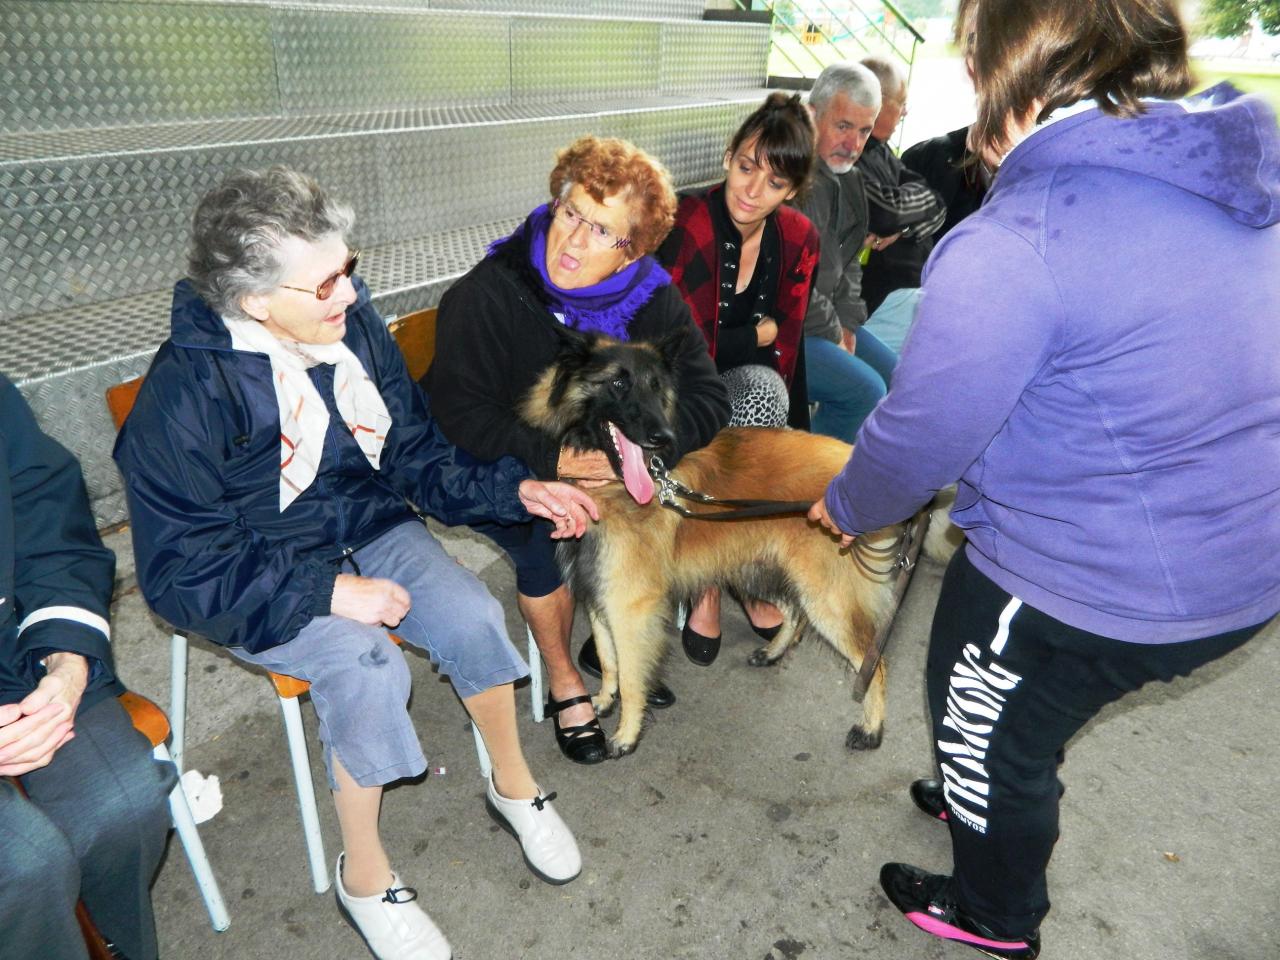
1097	358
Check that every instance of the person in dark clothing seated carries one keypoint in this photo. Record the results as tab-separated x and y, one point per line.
583	259
270	463
954	172
905	212
744	262
93	824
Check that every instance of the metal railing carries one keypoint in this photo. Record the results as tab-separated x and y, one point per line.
827	35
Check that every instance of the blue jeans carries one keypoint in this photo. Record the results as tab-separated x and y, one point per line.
846	386
360	681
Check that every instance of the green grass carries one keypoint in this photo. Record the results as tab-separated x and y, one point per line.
1266	85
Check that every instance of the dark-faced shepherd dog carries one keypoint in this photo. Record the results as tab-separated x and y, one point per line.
641	559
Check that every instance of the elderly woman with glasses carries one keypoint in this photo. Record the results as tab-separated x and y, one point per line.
269	462
583	260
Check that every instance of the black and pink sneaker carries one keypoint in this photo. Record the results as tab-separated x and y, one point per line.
928	797
925	899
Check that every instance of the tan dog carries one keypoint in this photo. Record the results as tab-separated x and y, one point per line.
641	559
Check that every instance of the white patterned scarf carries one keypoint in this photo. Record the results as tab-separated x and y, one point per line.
304	418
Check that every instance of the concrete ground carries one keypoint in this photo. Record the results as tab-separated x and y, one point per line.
742	828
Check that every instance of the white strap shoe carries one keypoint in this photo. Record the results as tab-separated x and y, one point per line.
548	845
393	925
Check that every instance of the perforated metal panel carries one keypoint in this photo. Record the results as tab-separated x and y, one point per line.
336	61
102	64
702	58
583	59
636	9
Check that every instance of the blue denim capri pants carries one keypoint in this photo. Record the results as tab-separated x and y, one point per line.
359	679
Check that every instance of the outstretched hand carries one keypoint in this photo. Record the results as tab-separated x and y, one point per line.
563	504
818	514
33	730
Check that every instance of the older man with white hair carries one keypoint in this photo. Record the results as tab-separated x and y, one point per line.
848	369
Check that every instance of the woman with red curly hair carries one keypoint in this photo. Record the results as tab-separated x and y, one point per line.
582	260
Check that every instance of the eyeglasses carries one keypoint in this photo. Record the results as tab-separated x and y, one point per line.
600	235
325	289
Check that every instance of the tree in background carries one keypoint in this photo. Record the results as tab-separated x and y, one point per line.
1231	18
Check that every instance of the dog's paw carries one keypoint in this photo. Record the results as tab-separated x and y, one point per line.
604	705
620	748
761	658
859	739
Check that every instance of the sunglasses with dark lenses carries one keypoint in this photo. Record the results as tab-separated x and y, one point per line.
325	290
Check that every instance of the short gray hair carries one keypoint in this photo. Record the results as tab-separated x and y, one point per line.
890	72
239	227
852	79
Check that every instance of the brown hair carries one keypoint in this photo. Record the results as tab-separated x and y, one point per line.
1061	51
783	131
608	166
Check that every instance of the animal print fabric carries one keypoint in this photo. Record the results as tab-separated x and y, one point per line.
757	396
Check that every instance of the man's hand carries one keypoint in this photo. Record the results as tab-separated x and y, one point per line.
848	340
377	602
33	730
766	331
818	514
564	505
591	466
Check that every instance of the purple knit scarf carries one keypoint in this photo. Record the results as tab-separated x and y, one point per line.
606	307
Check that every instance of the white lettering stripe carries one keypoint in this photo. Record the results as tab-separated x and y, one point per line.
1002	634
77	614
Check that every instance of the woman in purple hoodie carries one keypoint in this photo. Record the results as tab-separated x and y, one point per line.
1119	493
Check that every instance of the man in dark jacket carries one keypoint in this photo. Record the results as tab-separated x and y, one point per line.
905	211
954	173
848	368
95	824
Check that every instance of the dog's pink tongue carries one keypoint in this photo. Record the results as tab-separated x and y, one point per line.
635	474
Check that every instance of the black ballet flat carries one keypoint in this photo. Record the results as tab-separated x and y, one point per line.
660	697
766	633
583	743
701	650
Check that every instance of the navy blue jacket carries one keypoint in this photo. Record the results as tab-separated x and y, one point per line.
200	455
55	575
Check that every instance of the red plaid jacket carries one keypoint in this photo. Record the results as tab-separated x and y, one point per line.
692	254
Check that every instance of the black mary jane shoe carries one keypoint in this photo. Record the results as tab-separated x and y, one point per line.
583	743
699	649
660	697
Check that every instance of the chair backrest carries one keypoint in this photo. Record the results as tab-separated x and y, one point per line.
416	334
120	399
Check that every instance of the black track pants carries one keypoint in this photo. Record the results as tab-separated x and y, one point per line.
1008	686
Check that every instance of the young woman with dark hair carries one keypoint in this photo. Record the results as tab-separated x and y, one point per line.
744	262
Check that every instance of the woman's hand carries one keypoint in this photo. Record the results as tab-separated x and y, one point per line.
818	514
564	505
591	466
32	730
371	600
766	331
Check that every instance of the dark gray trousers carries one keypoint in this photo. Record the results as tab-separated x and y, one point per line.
94	829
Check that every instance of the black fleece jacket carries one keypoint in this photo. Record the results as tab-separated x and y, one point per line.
495	335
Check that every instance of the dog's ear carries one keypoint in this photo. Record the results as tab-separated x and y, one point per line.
574	343
671	346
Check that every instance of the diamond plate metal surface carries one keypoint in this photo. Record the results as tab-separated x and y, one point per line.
583	59
98	225
701	58
103	64
341	60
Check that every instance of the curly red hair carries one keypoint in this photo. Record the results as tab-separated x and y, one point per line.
605	166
